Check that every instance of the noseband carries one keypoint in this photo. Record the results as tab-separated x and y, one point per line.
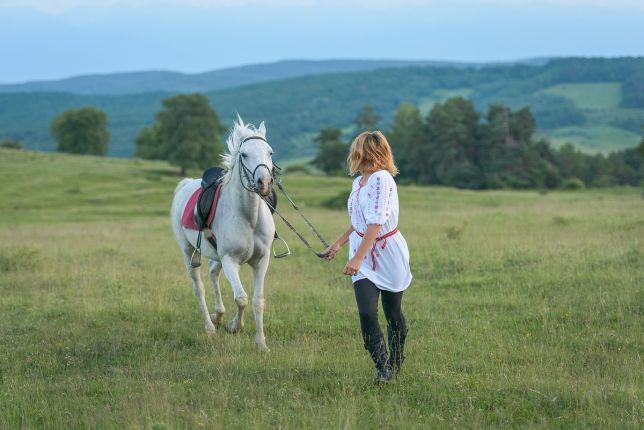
250	174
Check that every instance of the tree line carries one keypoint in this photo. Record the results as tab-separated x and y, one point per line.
297	107
454	145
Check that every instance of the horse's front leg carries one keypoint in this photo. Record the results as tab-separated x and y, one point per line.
231	269
259	273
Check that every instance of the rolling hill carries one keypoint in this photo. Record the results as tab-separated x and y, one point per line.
150	81
584	101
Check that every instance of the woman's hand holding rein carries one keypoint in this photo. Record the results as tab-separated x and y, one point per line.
332	250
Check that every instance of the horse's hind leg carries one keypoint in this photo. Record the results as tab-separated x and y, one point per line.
198	288
218	317
259	273
231	269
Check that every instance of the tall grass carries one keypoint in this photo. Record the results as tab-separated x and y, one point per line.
525	311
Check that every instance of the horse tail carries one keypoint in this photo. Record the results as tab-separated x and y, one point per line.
181	184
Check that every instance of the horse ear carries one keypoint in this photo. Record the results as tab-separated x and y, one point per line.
262	128
239	122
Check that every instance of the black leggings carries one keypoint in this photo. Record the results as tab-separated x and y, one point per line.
367	298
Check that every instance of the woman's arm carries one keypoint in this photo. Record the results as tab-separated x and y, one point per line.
353	266
333	249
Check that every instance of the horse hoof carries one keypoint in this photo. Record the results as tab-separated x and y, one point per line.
230	328
263	348
217	319
211	330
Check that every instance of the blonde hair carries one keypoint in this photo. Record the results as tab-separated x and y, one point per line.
369	152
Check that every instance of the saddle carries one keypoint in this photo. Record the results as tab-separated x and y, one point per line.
210	183
206	204
199	213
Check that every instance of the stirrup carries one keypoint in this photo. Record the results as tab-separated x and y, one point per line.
283	254
195	258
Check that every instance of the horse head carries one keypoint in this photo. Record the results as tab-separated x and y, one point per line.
250	152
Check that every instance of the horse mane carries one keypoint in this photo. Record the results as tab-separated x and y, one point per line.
238	133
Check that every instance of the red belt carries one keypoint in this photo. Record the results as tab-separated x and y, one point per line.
382	238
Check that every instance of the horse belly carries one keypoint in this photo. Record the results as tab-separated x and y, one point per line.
206	248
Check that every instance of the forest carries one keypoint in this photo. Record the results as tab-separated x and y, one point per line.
595	103
455	145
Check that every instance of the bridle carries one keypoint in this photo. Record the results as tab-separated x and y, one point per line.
249	175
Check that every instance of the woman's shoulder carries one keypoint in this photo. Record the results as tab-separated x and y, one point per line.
382	175
356	181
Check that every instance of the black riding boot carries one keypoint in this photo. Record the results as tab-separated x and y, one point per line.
378	351
396	337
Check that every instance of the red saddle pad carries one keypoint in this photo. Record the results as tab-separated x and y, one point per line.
188	218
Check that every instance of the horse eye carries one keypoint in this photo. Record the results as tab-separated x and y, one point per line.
244	155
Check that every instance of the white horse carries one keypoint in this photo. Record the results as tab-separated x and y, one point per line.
243	228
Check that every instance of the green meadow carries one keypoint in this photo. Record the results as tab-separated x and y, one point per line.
525	311
600	104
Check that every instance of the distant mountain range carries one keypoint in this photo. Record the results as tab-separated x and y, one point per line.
151	81
594	103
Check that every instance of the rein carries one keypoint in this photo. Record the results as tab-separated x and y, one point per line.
293	229
250	175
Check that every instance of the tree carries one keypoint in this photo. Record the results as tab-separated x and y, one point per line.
406	138
81	131
11	144
454	147
332	153
366	119
452	137
148	145
187	133
508	155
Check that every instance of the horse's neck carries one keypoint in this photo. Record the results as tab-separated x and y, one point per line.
240	199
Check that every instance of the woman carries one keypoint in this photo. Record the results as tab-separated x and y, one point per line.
378	255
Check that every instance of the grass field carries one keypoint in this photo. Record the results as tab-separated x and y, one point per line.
601	95
592	139
525	311
600	104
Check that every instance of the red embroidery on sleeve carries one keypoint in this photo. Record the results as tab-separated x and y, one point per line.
377	193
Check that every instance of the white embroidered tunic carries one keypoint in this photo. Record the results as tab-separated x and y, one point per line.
376	202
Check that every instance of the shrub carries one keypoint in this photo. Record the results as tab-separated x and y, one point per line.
10	144
560	220
455	232
298	168
572	184
337	202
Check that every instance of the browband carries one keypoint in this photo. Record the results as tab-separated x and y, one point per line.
254	137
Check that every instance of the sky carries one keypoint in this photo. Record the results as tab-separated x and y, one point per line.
52	39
